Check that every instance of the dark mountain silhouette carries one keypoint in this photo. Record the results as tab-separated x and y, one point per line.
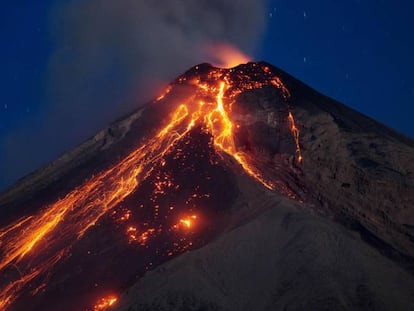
237	189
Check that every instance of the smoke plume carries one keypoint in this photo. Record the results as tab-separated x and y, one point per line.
112	56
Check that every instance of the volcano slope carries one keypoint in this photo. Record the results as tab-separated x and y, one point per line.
279	198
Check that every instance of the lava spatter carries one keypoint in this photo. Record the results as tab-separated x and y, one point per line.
34	245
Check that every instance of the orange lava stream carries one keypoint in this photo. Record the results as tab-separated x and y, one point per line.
69	218
221	127
295	132
33	245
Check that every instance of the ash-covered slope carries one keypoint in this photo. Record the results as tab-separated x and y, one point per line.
214	158
284	259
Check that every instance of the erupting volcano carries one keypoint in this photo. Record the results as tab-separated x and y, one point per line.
196	167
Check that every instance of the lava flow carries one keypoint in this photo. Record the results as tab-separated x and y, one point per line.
31	247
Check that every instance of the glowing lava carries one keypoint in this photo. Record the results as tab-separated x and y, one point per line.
35	244
295	132
104	303
187	222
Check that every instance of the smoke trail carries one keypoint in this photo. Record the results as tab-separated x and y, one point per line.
112	55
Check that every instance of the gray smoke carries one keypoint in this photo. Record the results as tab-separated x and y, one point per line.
113	55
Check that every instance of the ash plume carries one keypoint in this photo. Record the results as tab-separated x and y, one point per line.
112	56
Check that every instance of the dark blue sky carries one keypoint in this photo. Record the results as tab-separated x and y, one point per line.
25	50
358	52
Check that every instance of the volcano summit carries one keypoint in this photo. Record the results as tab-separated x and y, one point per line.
236	189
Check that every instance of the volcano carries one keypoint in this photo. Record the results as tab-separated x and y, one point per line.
235	189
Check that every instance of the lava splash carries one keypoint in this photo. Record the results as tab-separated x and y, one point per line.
146	199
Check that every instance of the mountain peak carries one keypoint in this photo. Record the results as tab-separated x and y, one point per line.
216	150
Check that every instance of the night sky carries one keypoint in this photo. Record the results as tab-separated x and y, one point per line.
357	52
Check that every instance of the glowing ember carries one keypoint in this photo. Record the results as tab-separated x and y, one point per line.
187	222
105	303
35	244
162	96
141	239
